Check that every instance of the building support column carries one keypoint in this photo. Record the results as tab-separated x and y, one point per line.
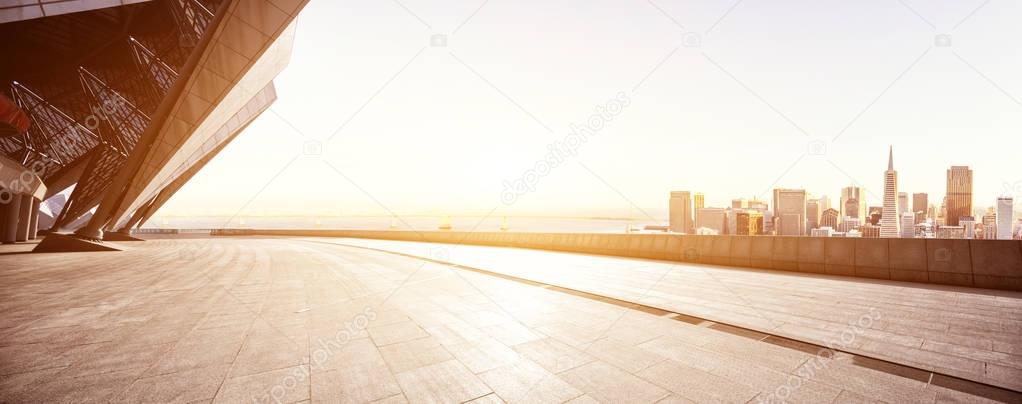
24	217
11	219
33	225
4	204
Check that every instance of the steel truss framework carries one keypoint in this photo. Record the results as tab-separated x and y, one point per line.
98	123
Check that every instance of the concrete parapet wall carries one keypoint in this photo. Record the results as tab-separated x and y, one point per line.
840	253
993	264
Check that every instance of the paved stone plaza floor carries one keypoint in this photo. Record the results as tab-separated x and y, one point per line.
970	333
309	320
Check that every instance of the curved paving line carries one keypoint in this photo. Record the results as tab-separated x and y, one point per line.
800	344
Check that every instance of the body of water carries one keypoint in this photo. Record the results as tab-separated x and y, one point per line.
420	223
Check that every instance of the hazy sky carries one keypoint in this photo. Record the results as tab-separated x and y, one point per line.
433	130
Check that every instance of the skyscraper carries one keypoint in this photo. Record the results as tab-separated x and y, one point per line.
813	212
1005	207
919	206
700	201
903	205
959	194
853	202
908	225
680	212
790	212
889	225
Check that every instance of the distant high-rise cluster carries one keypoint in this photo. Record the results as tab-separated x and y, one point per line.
902	215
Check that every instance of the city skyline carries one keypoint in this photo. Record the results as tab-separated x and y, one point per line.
794	212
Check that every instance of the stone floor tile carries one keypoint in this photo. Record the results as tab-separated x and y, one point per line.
608	384
414	354
397	332
286	385
525	381
443	382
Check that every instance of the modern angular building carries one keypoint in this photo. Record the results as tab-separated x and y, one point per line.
889	224
118	104
959	194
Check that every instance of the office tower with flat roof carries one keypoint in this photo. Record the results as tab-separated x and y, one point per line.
889	225
790	212
748	223
680	212
959	194
700	201
1005	210
813	212
908	225
853	202
739	203
919	206
903	205
714	219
